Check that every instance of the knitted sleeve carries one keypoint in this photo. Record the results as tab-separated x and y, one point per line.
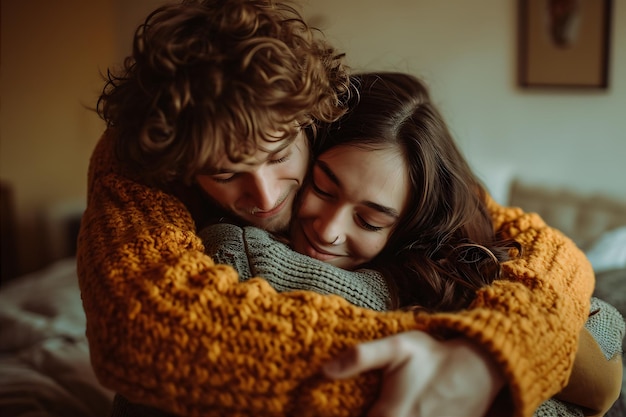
170	328
254	253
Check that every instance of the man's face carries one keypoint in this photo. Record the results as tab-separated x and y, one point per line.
261	190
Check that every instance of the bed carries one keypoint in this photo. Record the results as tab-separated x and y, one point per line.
44	358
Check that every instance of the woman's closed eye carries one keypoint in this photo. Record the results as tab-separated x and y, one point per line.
367	226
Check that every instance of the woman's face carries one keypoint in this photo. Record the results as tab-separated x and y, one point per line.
354	201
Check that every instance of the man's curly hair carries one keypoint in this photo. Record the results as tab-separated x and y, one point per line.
212	78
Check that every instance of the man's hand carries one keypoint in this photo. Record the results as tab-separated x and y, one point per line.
424	377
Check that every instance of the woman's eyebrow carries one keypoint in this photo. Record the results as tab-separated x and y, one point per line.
375	206
383	209
329	172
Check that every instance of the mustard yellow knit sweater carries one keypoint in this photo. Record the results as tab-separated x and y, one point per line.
169	328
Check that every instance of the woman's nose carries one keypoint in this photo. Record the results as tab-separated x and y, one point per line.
330	228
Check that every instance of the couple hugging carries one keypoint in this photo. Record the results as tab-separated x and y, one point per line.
236	137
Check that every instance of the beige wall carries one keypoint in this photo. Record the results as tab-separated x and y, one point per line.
52	52
466	50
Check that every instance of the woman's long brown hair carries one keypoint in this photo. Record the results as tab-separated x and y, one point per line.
444	248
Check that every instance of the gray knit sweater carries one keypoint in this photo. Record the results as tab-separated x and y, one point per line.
255	253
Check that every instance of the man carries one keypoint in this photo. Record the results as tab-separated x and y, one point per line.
219	104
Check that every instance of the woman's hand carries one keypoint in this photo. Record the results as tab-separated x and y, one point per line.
424	376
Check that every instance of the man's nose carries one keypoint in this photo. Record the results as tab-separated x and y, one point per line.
264	190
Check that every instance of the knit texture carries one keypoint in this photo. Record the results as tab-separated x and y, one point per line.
556	408
170	328
254	253
607	327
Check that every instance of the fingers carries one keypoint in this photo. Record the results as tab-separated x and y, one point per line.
401	392
409	362
424	376
364	357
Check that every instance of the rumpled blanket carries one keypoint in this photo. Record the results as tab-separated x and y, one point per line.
44	358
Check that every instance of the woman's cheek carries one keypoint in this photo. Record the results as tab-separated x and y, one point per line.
379	247
375	245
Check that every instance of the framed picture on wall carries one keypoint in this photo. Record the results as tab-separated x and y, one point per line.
564	43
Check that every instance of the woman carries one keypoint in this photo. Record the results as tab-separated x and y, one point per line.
390	191
435	236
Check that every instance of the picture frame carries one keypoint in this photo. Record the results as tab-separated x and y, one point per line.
564	43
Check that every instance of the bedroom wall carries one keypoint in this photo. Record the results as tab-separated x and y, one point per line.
51	53
467	53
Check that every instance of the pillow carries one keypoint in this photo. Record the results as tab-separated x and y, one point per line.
608	252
